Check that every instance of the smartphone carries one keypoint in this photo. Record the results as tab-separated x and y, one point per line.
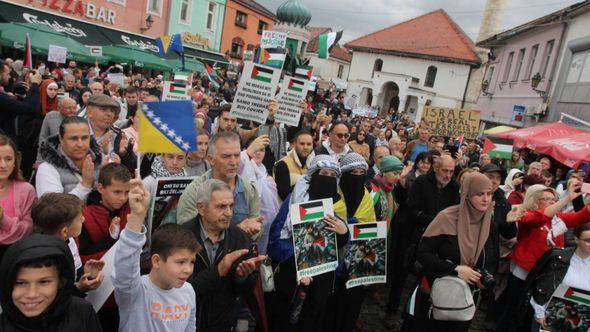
452	149
585	188
263	130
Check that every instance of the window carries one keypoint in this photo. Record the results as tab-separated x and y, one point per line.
547	57
508	66
488	77
261	26
251	47
377	66
579	70
155	7
185	11
519	62
340	71
211	15
531	63
430	76
241	19
237	48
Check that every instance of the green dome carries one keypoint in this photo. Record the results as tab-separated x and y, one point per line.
294	12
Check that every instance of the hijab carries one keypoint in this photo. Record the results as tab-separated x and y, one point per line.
47	104
471	226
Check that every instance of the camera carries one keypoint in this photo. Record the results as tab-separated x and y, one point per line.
487	279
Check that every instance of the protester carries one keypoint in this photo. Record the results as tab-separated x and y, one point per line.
48	91
295	164
196	162
515	162
83	102
535	168
165	166
357	199
418	145
378	154
359	146
336	145
513	181
516	197
17	197
36	293
66	107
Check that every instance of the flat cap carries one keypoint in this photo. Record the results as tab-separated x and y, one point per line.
103	100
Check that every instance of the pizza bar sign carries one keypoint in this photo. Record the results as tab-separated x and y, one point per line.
80	8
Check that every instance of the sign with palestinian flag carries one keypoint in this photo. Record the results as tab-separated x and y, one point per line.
366	257
184	77
272	57
568	306
293	91
314	246
498	147
304	72
175	91
257	86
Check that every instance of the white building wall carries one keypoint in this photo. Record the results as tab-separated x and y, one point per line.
328	68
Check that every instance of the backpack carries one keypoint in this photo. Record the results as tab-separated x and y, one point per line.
451	299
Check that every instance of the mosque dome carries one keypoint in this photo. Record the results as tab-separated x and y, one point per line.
294	12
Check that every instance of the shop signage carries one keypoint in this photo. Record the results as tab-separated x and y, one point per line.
68	28
80	8
140	43
195	39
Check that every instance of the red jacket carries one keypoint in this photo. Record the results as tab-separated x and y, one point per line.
532	235
95	240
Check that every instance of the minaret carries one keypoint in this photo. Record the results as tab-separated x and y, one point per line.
491	24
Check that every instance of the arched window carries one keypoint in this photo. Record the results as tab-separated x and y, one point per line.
430	77
237	48
377	66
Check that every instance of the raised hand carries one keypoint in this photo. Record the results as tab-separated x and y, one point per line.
248	266
88	172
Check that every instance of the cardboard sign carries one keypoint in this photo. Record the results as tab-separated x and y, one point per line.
273	39
293	91
95	50
364	111
568	310
175	91
57	54
118	78
451	122
315	246
366	259
257	86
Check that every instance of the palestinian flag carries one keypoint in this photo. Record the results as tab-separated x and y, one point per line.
311	211
28	60
367	231
272	58
177	88
304	72
296	85
262	74
577	295
212	74
498	147
184	77
326	42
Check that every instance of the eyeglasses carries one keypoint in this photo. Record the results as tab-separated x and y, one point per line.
341	135
548	199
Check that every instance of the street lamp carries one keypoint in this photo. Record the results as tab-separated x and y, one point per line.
149	21
535	80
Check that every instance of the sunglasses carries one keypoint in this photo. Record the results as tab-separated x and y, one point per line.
341	135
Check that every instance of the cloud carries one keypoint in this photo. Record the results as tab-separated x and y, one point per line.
358	18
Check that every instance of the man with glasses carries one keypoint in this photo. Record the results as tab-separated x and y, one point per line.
336	145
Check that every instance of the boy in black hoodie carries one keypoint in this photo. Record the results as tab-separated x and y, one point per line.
36	290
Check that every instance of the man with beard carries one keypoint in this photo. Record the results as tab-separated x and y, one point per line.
295	164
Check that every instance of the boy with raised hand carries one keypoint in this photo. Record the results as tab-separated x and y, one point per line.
61	215
161	300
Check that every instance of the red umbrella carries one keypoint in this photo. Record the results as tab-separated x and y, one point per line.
523	137
569	150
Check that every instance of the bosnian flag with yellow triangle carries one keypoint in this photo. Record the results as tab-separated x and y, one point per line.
167	127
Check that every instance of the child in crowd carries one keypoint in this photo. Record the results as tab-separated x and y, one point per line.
161	300
61	215
36	291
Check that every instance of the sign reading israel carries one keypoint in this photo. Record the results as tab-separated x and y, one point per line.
451	122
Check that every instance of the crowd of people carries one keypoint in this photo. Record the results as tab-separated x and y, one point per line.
72	188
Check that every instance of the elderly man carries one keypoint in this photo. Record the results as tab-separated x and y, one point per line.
70	86
380	152
97	88
396	144
217	277
71	160
336	145
66	107
418	145
223	154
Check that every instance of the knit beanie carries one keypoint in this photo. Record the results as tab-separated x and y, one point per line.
390	164
323	161
352	161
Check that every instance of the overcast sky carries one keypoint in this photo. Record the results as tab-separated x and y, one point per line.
359	17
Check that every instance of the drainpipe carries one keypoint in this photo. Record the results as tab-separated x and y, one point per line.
466	87
554	69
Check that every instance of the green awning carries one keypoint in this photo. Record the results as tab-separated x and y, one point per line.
14	35
189	63
137	57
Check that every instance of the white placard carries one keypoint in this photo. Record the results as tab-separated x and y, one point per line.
293	91
95	50
175	91
57	54
257	86
100	295
273	39
118	78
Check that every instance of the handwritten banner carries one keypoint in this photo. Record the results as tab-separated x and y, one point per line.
452	122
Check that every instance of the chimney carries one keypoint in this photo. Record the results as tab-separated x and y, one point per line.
491	22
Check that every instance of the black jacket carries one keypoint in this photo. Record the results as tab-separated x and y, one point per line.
426	200
499	225
67	313
548	273
10	107
217	296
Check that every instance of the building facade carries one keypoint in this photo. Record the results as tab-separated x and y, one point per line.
145	17
199	21
337	67
242	27
398	68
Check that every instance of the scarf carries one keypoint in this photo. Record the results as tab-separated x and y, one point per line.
353	190
159	171
469	225
47	104
277	142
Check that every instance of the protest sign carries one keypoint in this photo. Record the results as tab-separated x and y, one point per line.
364	111
315	246
175	91
257	86
367	256
568	310
57	54
273	39
164	201
451	122
118	78
100	295
95	50
293	91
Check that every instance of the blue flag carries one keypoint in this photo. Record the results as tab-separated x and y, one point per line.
170	43
167	127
